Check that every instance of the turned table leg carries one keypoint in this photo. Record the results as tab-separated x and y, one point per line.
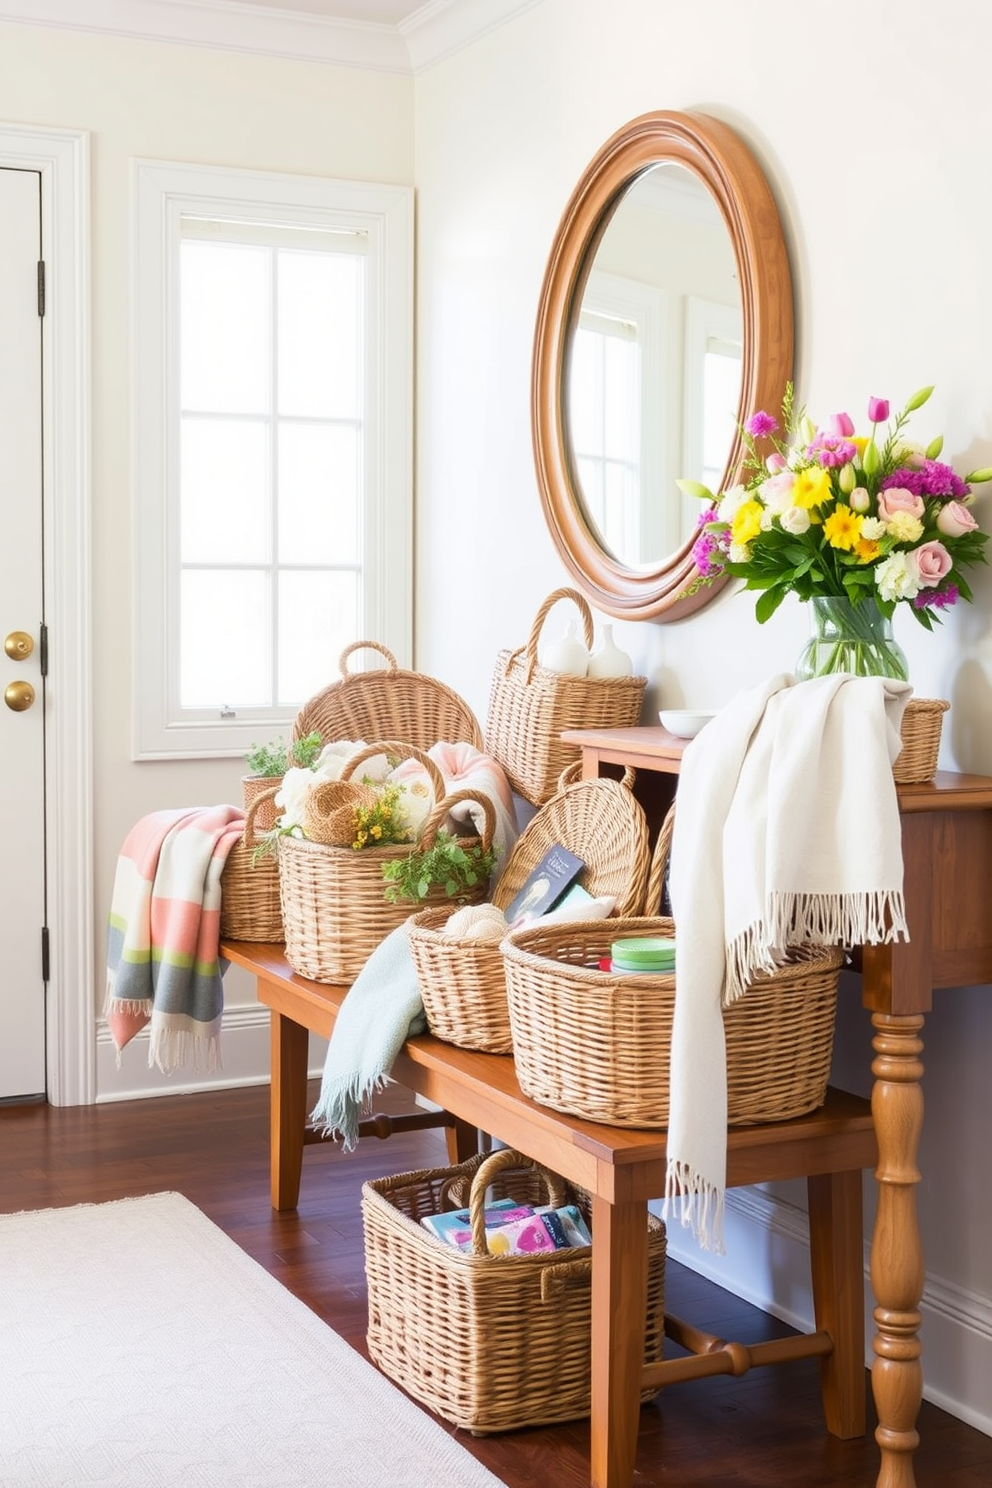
619	1307
896	1251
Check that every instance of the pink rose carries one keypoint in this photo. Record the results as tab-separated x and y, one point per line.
898	499
775	463
955	519
932	563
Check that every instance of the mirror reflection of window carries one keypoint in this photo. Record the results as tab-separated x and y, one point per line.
713	355
615	385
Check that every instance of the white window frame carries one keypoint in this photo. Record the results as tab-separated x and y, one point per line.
162	193
706	322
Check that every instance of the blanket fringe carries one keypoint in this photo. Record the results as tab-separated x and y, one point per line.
863	918
171	1048
702	1204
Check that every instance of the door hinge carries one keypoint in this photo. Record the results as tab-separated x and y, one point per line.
43	649
45	956
41	287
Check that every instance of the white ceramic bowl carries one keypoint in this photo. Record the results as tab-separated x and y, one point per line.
685	723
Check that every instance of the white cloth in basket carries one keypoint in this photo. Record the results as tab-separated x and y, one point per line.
787	830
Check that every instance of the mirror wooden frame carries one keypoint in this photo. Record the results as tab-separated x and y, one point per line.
716	154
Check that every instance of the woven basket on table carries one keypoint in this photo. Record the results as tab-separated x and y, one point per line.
598	1044
388	703
491	1343
253	786
249	886
530	706
922	722
334	907
462	983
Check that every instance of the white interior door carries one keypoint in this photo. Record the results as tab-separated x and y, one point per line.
22	718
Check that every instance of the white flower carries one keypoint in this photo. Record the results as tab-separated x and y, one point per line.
739	553
896	578
859	500
292	795
796	520
872	529
730	502
904	527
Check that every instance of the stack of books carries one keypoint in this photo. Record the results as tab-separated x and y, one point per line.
514	1229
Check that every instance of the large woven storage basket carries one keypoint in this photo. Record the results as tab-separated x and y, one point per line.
249	885
598	1044
491	1343
333	900
388	703
462	983
530	707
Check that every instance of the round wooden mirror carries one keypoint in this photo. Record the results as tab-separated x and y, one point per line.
665	319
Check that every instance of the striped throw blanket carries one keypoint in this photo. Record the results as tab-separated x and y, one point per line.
164	933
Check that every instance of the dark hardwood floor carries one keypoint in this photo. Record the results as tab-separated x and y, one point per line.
764	1430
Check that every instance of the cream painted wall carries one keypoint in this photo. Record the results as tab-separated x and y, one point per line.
875	135
173	103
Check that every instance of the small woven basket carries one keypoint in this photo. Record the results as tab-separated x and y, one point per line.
388	703
253	786
530	707
490	1343
334	907
249	887
922	722
463	983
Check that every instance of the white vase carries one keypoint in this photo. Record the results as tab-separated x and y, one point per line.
568	655
608	660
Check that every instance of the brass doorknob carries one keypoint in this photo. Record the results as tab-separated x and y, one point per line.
18	696
18	645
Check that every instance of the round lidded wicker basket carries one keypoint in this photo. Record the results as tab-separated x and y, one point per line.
463	983
922	722
598	1044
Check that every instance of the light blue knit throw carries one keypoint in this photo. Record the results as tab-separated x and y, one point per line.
382	1009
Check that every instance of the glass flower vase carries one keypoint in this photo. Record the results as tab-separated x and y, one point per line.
846	637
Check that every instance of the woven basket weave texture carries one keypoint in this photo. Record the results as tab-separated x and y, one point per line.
249	888
491	1343
922	723
530	707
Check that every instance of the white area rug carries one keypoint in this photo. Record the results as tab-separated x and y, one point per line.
141	1348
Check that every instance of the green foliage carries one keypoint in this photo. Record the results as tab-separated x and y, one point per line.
456	868
275	758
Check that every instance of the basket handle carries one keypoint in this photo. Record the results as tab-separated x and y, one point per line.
506	1157
659	863
572	775
436	818
362	646
535	631
404	751
248	835
554	1279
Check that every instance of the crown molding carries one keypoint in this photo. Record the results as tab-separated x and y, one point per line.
437	29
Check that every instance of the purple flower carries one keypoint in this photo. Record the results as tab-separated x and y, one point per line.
831	451
937	599
708	554
759	425
909	480
940	480
878	410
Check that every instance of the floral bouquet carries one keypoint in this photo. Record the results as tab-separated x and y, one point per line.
872	519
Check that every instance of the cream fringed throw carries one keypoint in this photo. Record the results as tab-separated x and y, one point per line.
787	830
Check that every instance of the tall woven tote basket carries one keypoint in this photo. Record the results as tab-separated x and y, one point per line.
598	1044
462	983
491	1343
334	907
388	703
249	886
531	706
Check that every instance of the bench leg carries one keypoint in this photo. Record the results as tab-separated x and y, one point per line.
837	1259
289	1046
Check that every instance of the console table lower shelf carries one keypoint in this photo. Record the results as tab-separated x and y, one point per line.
621	1170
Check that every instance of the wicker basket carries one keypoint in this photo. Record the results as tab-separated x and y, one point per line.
463	983
388	703
253	786
249	889
334	907
597	1044
491	1343
530	706
922	723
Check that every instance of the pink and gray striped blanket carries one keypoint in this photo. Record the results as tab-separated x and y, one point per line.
163	936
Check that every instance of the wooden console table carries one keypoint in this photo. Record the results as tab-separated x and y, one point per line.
947	853
622	1170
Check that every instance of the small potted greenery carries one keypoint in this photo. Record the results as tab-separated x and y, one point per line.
268	763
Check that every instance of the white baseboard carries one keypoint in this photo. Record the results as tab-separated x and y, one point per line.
767	1263
244	1048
